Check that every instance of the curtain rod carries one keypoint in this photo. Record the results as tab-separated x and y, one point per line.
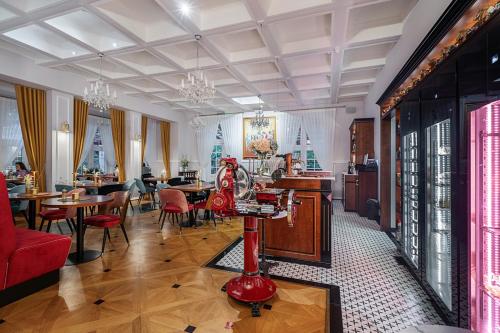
333	106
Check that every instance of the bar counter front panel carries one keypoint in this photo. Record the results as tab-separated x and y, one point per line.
309	239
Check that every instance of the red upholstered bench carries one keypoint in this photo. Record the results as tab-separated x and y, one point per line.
29	260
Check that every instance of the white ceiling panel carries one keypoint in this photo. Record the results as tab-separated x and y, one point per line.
184	54
47	41
30	5
295	53
146	85
91	30
241	45
144	62
144	18
372	56
377	21
211	14
6	14
236	91
312	82
259	71
110	69
309	64
276	7
303	34
220	76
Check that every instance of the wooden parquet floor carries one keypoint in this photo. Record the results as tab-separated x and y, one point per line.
158	284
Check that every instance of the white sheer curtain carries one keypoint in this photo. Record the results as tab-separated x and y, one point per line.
205	141
320	127
288	126
92	125
152	153
232	129
107	145
11	138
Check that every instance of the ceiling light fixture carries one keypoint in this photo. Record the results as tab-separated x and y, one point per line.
185	9
197	90
99	95
259	122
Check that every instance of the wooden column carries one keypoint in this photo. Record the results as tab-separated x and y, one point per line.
385	174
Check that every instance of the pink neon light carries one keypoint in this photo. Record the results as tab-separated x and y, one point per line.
485	219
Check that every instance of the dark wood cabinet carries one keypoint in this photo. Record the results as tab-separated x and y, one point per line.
361	140
350	192
367	189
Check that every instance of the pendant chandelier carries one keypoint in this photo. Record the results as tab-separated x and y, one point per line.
259	122
99	95
197	89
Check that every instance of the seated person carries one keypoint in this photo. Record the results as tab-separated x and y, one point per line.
21	169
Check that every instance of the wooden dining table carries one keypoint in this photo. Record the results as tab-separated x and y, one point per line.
33	199
81	255
191	190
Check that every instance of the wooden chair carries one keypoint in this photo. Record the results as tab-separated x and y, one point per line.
106	220
174	203
67	214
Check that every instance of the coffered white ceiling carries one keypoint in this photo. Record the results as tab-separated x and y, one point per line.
295	53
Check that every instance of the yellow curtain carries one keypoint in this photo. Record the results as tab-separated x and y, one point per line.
80	113
165	143
32	108
118	129
144	133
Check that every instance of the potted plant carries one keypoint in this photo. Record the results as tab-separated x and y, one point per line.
184	163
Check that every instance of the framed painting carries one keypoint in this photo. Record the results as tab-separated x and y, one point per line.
250	133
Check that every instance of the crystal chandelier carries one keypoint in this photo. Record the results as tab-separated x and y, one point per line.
99	95
259	122
197	89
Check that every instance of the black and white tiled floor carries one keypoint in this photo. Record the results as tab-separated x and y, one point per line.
377	294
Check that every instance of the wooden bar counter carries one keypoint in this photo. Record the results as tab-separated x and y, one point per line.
310	238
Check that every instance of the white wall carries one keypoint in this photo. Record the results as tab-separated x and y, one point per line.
59	163
133	163
418	23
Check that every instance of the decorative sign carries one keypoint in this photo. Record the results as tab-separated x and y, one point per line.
250	134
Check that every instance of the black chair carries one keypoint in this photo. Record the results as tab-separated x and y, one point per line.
176	181
107	189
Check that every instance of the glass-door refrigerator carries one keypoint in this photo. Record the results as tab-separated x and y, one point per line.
411	176
484	229
438	209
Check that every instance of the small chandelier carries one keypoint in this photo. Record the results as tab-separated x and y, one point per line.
197	123
259	122
197	89
99	95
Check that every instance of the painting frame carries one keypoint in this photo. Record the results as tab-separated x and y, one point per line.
249	133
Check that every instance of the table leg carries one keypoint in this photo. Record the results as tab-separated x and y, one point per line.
192	219
81	255
32	214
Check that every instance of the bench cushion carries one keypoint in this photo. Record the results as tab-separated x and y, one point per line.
36	253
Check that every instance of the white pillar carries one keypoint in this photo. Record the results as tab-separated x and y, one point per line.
133	163
59	163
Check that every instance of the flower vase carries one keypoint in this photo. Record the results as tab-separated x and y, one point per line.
261	170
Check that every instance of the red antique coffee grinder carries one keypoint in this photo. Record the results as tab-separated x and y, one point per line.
237	197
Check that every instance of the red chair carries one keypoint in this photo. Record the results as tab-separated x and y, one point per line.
29	260
61	214
174	202
107	220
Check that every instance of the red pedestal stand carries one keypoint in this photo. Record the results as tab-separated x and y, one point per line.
251	287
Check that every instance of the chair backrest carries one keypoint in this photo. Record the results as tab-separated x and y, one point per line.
7	231
174	197
62	187
140	185
107	189
71	212
129	185
22	204
159	187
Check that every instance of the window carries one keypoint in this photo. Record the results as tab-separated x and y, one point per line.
217	152
305	149
11	140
